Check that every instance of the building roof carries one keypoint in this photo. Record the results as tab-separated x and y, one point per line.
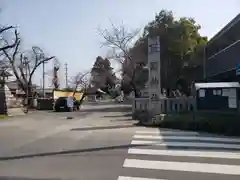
228	26
46	90
217	85
14	84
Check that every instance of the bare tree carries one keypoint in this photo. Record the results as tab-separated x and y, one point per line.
24	64
120	40
80	80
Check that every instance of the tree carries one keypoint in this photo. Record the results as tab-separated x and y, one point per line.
136	74
119	39
102	74
181	50
55	80
79	81
180	45
5	46
24	64
82	81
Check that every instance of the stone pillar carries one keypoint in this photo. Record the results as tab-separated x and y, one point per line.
154	81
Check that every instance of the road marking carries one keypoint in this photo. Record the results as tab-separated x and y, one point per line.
166	132
183	166
187	144
136	178
234	140
186	153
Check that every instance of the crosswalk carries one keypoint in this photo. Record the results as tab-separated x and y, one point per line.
178	155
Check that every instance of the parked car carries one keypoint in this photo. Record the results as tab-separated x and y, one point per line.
65	104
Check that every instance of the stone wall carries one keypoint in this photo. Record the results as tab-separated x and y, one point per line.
11	100
8	103
3	109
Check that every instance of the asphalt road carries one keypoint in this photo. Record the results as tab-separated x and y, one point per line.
46	145
103	143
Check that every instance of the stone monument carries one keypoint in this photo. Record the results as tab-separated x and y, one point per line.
154	80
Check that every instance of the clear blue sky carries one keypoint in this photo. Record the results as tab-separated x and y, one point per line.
68	28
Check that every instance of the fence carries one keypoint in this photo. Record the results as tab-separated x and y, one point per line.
45	103
165	105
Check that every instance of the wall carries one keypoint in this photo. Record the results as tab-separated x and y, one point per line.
57	94
165	105
8	102
2	100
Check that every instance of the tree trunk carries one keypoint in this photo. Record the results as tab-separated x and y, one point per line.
135	90
3	107
82	98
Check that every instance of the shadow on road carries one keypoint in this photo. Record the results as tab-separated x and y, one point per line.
103	127
23	178
69	152
123	115
108	109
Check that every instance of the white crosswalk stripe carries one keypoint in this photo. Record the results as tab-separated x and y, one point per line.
191	153
176	155
136	178
188	144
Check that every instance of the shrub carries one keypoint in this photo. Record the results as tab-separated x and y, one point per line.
226	124
142	115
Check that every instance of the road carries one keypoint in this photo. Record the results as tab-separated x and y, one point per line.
103	143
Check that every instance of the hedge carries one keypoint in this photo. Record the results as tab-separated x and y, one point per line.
218	123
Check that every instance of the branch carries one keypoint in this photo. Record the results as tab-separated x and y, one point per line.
5	29
21	67
79	80
12	60
16	42
120	38
37	64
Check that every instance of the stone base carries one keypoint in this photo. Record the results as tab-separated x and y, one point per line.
15	112
144	117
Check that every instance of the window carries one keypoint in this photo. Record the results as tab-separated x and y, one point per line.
217	92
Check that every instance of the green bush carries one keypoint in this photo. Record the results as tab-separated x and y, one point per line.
142	115
226	124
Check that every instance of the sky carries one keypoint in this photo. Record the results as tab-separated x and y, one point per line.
68	29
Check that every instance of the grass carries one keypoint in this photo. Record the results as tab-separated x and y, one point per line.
2	116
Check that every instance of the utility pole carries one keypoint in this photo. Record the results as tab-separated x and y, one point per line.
26	65
43	76
66	74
